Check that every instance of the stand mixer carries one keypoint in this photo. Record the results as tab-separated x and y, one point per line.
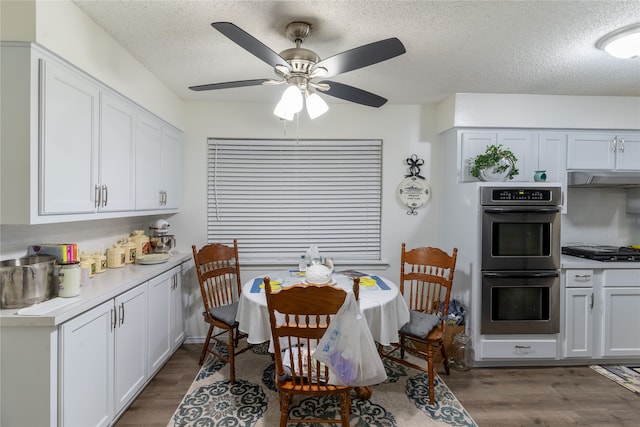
160	241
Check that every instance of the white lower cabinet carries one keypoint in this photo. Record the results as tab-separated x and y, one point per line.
621	313
86	376
166	321
602	313
579	305
103	360
130	345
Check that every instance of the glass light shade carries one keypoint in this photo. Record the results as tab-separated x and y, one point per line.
623	43
290	103
316	106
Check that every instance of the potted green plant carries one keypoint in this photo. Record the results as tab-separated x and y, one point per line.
496	164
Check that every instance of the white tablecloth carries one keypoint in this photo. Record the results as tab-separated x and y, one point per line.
385	310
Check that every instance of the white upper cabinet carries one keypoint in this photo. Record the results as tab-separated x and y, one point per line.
523	144
603	151
116	186
171	167
68	140
148	162
158	165
69	146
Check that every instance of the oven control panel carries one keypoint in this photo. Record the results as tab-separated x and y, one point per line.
549	196
521	194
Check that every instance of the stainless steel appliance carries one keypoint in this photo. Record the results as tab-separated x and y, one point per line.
603	253
520	260
160	241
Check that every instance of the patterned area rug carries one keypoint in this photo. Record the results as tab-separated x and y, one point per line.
626	376
253	400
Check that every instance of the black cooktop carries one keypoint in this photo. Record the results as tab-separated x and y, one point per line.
603	253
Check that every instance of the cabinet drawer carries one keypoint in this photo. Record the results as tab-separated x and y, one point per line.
622	277
579	278
520	349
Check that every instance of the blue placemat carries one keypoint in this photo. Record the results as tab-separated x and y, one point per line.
255	288
381	283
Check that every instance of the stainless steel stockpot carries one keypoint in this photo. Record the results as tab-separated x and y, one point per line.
26	281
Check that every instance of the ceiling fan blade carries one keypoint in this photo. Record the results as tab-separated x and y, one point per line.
362	56
229	85
353	94
250	43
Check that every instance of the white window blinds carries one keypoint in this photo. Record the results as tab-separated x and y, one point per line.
278	197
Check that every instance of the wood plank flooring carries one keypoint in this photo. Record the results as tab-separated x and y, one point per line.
555	396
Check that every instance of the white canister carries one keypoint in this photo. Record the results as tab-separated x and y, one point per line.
69	280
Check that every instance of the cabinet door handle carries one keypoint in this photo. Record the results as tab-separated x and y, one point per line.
582	277
121	313
591	299
622	145
105	195
97	194
113	319
614	142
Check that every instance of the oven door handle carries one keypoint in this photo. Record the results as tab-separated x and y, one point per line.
522	274
522	210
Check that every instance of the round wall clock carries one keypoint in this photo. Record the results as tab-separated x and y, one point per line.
414	192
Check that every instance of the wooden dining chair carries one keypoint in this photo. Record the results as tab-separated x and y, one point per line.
218	271
299	316
426	277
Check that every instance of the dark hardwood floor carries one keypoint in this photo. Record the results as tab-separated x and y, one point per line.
555	396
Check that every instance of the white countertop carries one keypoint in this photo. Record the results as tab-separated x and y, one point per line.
101	288
568	261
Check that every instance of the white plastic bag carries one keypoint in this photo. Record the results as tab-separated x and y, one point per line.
348	349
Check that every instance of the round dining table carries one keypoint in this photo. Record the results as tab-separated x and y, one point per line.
381	303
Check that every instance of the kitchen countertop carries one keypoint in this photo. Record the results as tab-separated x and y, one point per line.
102	287
568	261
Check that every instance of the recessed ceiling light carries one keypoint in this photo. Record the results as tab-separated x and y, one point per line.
622	43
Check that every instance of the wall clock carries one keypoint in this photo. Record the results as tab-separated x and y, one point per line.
414	192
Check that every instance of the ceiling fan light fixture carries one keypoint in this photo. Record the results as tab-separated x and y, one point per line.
290	103
316	106
622	43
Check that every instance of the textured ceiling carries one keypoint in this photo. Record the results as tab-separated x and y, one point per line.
534	47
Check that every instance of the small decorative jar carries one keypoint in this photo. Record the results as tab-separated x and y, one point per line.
129	250
116	257
100	261
87	261
141	241
540	176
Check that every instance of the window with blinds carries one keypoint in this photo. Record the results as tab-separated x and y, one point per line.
279	197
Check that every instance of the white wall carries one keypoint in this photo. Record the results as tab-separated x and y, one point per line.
539	111
404	130
598	215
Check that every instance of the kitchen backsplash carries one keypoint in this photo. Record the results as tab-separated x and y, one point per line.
598	215
90	236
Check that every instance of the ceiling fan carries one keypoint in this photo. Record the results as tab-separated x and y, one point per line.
300	68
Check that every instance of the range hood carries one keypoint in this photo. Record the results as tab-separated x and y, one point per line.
603	179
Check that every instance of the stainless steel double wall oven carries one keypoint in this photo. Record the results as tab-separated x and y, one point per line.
520	260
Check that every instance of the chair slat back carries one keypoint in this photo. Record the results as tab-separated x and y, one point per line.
299	316
218	270
426	278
